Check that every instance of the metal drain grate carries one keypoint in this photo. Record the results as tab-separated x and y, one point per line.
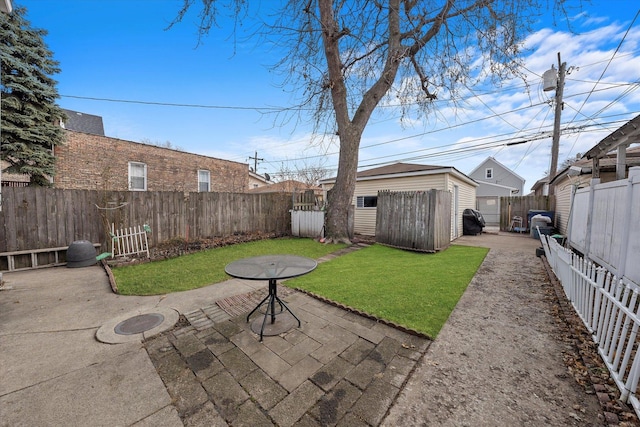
139	324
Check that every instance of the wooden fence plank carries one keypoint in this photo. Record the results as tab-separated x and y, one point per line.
414	220
520	206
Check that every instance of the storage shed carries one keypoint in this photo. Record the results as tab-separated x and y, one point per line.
408	177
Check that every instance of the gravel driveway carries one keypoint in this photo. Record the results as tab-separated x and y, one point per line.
501	358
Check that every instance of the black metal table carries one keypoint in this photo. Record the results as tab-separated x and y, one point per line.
271	268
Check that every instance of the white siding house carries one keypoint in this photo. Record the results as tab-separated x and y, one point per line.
408	177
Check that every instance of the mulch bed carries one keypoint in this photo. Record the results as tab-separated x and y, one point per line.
176	247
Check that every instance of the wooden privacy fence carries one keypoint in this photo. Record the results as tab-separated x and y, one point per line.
415	220
37	217
609	306
520	206
305	200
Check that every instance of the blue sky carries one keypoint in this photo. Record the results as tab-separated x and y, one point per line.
120	50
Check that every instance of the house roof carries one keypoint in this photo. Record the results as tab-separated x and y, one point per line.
629	133
397	170
497	162
540	183
493	184
83	122
607	163
288	186
5	6
265	179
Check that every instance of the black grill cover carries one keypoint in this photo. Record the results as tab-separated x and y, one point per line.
472	222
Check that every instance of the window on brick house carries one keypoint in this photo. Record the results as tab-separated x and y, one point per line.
204	181
137	176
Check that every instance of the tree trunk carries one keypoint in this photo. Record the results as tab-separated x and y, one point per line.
339	198
350	130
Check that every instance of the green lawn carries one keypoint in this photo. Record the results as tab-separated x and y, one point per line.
416	290
207	267
412	289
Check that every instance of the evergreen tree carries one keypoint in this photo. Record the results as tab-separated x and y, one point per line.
30	116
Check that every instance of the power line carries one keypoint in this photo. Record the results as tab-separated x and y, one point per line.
607	66
171	104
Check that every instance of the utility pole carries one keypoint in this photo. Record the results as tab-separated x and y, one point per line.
555	144
255	161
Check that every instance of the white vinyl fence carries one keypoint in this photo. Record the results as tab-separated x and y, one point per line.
307	223
610	309
605	225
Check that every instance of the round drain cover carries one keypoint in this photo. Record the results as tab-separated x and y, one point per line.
139	324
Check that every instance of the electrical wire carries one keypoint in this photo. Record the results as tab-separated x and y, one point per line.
607	66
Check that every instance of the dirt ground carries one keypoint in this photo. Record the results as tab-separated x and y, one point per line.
510	355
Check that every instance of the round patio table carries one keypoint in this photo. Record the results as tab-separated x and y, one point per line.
271	268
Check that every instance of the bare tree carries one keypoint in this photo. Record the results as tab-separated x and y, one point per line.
306	171
348	56
167	144
312	172
285	173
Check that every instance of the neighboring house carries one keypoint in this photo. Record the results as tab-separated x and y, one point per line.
408	177
75	121
95	162
494	180
604	157
83	122
5	6
294	187
541	187
257	180
287	186
13	179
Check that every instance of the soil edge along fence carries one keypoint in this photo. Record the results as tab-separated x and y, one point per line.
609	307
38	218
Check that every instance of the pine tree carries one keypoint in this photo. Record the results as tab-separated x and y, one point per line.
30	116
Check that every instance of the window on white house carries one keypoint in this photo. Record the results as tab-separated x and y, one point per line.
137	176
488	173
204	181
367	201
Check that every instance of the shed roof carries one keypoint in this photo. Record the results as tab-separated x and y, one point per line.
628	134
607	163
397	170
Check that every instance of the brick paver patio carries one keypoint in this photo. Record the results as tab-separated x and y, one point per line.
338	368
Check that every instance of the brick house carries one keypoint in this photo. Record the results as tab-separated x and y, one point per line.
95	162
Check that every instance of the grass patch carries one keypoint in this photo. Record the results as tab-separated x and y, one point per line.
412	289
204	268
